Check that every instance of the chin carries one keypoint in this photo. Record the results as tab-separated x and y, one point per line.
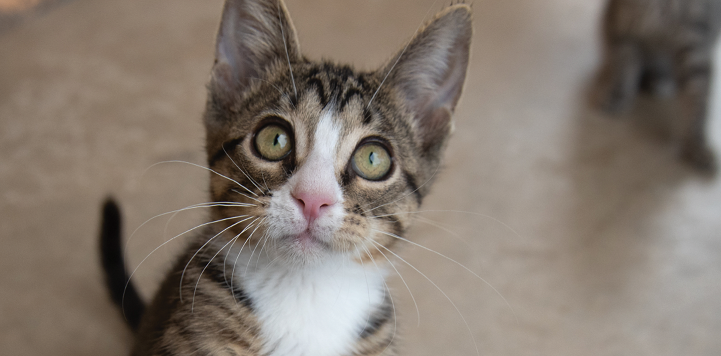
304	249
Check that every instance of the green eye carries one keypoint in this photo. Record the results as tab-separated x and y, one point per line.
273	142
371	161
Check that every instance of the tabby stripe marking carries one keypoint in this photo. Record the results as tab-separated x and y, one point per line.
227	147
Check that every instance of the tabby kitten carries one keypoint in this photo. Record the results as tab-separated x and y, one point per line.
313	165
663	45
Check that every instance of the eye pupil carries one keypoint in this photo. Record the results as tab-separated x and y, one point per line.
280	140
372	158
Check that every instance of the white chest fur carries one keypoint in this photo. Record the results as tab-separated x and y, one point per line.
314	310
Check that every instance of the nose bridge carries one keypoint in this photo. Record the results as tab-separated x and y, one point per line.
315	186
316	175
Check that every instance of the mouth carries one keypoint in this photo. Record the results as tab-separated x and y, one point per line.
307	242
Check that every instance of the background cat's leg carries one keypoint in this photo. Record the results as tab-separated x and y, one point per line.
658	76
695	82
619	78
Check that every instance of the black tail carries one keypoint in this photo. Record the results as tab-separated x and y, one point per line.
116	276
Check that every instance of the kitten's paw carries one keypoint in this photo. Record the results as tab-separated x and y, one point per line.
700	157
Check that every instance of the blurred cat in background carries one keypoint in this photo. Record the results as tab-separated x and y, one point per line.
663	46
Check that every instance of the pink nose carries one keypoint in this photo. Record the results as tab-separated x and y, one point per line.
313	204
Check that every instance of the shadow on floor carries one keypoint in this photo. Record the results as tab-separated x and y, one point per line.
624	171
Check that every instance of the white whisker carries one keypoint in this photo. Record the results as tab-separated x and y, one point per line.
265	238
252	253
454	261
407	194
390	295
166	242
194	206
232	274
225	259
242	171
433	223
182	275
438	225
277	257
204	167
264	182
192	304
456	211
202	205
246	228
250	225
418	311
245	195
440	290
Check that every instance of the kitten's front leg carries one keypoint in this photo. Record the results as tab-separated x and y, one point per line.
695	82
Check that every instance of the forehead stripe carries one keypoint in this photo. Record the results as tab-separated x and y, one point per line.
318	85
367	116
411	181
349	94
229	147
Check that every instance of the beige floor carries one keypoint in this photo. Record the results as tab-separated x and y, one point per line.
600	242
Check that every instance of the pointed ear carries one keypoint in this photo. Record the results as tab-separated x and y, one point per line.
429	75
253	34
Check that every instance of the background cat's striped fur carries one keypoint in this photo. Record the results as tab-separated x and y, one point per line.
659	45
295	261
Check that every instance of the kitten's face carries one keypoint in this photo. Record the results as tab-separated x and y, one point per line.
330	160
326	171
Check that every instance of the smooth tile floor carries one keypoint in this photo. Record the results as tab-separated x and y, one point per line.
596	239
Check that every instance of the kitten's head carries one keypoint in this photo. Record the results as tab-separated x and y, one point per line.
331	159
